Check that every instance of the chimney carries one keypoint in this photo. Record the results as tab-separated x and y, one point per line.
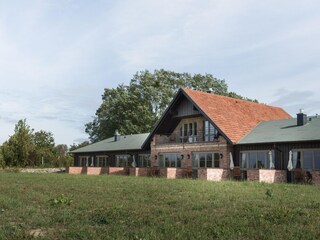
301	118
116	136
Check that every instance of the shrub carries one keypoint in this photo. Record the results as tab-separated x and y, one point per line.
61	200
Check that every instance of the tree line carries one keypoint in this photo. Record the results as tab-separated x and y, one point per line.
29	148
135	108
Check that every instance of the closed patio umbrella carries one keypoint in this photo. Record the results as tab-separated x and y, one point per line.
133	164
196	161
231	161
290	165
271	160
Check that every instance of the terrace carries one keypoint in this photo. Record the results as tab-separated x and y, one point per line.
178	137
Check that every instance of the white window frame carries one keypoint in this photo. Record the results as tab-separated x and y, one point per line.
210	132
142	159
215	157
86	158
188	131
125	158
176	163
105	161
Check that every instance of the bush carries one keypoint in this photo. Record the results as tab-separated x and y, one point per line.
61	200
2	163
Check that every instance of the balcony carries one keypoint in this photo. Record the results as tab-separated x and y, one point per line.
178	138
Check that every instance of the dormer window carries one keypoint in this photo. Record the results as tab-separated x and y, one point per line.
210	132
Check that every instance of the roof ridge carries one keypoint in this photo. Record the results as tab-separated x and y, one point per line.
132	141
284	130
232	98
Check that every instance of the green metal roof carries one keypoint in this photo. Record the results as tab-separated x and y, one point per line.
283	131
126	142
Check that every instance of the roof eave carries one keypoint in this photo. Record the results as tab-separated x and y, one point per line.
158	123
108	150
276	142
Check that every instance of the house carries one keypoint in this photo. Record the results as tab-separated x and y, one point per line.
112	156
297	139
199	131
214	137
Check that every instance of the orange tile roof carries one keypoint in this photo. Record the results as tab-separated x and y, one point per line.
234	117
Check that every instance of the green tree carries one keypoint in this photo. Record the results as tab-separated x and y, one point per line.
114	112
235	95
17	150
76	146
61	150
28	148
2	162
158	88
7	154
44	152
137	107
63	158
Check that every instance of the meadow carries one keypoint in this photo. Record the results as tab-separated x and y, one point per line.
62	206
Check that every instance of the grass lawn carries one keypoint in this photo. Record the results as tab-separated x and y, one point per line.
61	206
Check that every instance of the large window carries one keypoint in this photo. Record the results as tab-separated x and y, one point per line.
210	132
102	161
317	159
122	160
144	160
84	161
306	159
170	160
257	159
205	160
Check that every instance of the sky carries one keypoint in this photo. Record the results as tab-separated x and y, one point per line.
57	56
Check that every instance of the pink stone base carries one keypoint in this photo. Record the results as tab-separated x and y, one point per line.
76	170
272	175
118	171
267	175
97	170
213	174
172	173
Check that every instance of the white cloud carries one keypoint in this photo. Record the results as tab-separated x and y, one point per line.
295	100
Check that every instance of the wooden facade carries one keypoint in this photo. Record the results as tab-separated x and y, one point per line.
281	149
281	153
111	157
